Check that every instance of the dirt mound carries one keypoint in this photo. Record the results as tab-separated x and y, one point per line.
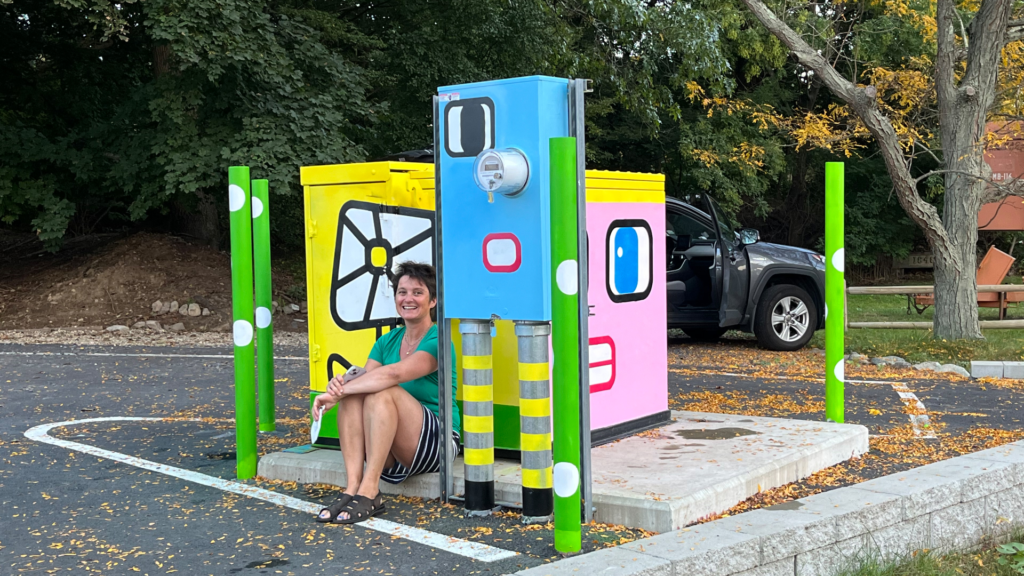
117	283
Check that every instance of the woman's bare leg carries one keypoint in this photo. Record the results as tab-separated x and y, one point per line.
351	441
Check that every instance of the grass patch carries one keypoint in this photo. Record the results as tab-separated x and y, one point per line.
919	345
985	562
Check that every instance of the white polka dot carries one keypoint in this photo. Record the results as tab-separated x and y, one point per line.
566	277
839	259
840	370
257	207
826	311
566	479
262	317
619	252
236	197
243	333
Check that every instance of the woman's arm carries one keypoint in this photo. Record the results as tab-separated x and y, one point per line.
377	378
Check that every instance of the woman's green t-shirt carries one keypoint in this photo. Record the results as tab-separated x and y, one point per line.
387	350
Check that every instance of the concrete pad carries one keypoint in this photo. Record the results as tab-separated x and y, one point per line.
986	369
607	562
1013	370
699	464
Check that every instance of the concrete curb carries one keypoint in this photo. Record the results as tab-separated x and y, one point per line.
997	369
951	505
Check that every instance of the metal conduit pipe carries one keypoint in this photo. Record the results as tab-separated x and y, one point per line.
535	420
478	414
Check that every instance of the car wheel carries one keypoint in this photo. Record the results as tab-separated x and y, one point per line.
785	318
708	334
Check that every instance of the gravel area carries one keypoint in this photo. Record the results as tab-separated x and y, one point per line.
95	335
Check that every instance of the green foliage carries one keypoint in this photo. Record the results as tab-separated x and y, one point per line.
1012	556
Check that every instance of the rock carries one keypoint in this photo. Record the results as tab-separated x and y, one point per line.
176	327
960	370
117	328
288	309
154	325
856	356
225	327
206	311
894	361
818	351
183	310
194	309
927	366
166	308
304	306
139	324
295	307
173	306
157	307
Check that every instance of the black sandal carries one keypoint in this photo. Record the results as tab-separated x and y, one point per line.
361	509
334	509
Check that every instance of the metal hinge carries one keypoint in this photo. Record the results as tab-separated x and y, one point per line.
314	352
311	228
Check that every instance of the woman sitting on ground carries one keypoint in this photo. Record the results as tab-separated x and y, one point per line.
389	416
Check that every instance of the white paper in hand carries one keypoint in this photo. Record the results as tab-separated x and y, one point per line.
314	429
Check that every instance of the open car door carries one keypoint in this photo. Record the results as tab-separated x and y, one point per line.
732	273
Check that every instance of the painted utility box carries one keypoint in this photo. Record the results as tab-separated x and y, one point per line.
361	220
497	244
626	226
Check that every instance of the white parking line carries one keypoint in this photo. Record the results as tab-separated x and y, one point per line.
919	420
474	550
139	355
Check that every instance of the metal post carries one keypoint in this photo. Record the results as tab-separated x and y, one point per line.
444	357
264	327
242	313
478	415
535	420
565	336
577	129
834	293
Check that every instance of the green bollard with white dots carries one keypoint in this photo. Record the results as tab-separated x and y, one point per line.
264	327
239	201
835	372
565	345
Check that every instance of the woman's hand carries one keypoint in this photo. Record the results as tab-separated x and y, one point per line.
336	388
323	403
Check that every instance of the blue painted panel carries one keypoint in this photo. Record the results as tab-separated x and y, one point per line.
627	260
522	113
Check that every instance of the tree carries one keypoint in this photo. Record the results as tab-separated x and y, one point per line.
969	46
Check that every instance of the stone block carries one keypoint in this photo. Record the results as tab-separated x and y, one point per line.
785	533
1012	453
784	567
829	560
925	489
958	527
901	540
986	369
606	562
708	549
1005	510
857	511
1013	370
990	477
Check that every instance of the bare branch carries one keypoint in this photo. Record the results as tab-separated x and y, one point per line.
921	212
996	191
1014	31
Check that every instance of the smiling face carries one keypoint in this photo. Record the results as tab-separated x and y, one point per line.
413	301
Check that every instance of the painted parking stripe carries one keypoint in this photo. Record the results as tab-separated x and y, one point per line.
139	355
919	422
473	550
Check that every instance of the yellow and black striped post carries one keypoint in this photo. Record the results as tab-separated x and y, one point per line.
535	420
478	415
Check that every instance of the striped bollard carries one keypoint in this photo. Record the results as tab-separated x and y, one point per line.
535	420
835	373
264	330
478	415
242	314
565	340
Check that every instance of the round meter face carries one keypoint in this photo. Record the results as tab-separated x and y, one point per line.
504	172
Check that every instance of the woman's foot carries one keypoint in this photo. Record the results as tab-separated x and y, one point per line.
360	509
330	513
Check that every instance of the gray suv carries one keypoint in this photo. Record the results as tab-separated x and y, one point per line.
720	279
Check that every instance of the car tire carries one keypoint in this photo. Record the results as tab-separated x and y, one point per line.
786	318
705	334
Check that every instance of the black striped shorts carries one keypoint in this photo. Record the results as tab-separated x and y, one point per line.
428	453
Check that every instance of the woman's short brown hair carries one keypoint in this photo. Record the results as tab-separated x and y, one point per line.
424	273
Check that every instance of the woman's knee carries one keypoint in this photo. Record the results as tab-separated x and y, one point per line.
378	401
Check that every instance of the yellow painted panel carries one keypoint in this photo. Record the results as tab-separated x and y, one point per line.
504	359
618	195
537	478
357	173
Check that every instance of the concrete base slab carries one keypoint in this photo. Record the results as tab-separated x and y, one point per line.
660	480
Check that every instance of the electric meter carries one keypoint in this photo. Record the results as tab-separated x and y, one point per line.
504	171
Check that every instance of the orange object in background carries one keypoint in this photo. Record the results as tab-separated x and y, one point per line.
992	270
1006	159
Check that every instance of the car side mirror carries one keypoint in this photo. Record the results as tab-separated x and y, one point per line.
749	236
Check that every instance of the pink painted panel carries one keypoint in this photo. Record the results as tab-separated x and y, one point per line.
628	354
